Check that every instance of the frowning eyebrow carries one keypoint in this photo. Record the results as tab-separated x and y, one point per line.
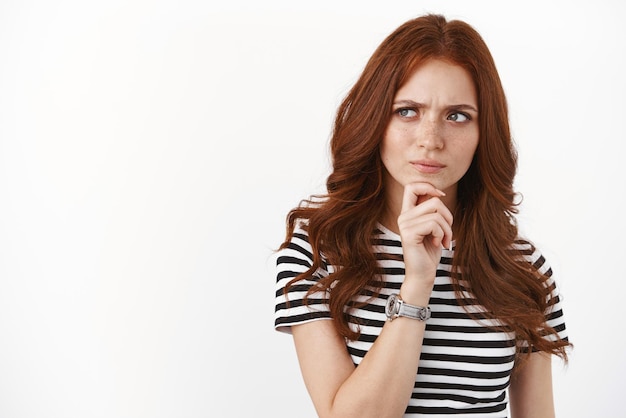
411	103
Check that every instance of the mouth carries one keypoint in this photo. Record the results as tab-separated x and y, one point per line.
428	166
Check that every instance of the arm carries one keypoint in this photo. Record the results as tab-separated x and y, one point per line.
382	384
530	392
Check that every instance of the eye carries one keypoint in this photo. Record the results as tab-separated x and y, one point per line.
459	117
406	112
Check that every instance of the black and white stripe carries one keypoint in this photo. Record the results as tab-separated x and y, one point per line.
465	364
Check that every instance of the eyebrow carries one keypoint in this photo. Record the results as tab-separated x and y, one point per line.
461	106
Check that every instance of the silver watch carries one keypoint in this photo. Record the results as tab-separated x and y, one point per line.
396	307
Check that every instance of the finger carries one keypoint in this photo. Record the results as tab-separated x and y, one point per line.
442	236
423	212
415	193
416	230
432	205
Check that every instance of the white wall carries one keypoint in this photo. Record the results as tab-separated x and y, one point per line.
149	151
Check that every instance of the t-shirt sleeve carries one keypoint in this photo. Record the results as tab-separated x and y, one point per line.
291	308
554	312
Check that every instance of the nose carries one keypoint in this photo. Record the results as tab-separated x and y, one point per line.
429	134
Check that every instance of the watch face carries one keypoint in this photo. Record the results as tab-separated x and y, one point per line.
392	306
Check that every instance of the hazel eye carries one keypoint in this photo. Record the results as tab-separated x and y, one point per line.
459	117
406	112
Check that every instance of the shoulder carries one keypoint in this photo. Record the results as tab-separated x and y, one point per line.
298	245
297	257
526	251
535	261
298	249
299	297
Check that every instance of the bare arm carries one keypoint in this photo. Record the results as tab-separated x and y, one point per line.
382	384
530	392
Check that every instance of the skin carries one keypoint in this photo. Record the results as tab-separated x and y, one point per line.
530	392
428	146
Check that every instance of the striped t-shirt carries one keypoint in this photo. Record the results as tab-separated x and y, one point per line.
464	366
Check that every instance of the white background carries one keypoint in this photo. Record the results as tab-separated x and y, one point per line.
149	151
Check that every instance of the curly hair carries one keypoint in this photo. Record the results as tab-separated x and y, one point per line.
340	223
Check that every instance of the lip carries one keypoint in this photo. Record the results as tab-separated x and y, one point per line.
428	166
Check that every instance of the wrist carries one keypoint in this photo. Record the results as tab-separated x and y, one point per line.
416	292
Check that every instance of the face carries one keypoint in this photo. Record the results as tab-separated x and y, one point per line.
433	131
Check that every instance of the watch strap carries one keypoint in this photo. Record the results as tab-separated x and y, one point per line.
397	307
415	312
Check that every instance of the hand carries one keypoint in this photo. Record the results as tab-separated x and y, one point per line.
425	225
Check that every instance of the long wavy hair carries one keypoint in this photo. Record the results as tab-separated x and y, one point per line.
341	222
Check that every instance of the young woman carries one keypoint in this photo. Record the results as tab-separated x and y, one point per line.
407	287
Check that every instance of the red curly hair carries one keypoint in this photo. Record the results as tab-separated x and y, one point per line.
340	223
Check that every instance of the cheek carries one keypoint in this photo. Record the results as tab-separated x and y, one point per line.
468	156
386	157
382	152
467	145
464	154
387	148
471	149
394	142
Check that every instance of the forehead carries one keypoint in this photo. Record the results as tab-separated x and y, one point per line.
441	80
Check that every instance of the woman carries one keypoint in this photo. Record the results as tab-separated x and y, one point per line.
406	287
